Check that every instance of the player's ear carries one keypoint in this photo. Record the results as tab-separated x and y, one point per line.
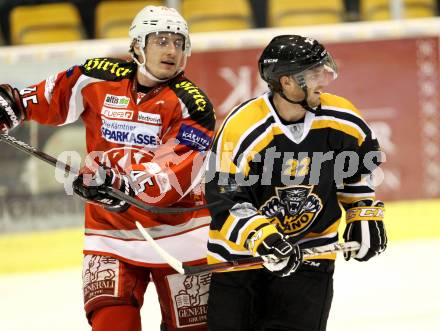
137	49
286	82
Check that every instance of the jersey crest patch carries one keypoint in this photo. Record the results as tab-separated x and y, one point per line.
294	209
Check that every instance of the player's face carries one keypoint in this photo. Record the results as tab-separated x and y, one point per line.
164	54
316	80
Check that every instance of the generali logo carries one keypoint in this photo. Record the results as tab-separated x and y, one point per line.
190	296
116	101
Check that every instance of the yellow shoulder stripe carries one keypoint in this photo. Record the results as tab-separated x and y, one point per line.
325	123
328	99
233	131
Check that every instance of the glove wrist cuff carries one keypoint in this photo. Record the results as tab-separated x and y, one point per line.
370	213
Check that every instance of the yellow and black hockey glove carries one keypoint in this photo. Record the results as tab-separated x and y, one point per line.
365	225
288	254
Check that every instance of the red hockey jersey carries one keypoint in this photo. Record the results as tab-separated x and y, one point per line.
162	135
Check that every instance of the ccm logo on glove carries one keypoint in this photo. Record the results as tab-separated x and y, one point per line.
369	213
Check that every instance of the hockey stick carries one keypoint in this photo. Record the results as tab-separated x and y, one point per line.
32	151
244	262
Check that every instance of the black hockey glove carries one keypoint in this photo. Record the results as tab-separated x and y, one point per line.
288	254
12	113
365	225
94	185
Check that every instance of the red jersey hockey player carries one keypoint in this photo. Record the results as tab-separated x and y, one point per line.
150	126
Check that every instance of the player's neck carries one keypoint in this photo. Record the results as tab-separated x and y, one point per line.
144	80
288	111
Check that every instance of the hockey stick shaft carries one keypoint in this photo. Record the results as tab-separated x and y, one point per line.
32	151
240	263
259	260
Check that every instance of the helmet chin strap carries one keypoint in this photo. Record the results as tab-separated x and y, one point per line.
303	102
143	69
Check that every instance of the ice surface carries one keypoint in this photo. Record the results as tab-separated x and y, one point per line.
399	290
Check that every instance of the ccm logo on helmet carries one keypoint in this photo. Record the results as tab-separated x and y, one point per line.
194	91
106	65
10	112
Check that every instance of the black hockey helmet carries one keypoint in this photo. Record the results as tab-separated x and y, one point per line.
291	55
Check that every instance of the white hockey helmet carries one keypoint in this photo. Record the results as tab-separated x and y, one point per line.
154	19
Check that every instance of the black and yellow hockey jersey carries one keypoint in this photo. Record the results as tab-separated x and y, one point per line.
266	172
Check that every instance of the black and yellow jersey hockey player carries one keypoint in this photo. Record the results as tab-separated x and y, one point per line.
282	164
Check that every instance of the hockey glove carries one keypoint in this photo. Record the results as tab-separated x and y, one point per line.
365	225
94	185
289	256
12	113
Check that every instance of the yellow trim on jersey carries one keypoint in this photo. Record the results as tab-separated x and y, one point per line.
227	225
256	240
245	230
331	229
261	145
322	124
233	130
216	235
212	260
251	227
226	161
349	199
332	100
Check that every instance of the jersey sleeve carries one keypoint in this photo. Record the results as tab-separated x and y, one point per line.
358	138
360	186
178	163
235	218
59	99
56	100
361	190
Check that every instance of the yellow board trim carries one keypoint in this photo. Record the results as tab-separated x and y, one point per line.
41	251
55	250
